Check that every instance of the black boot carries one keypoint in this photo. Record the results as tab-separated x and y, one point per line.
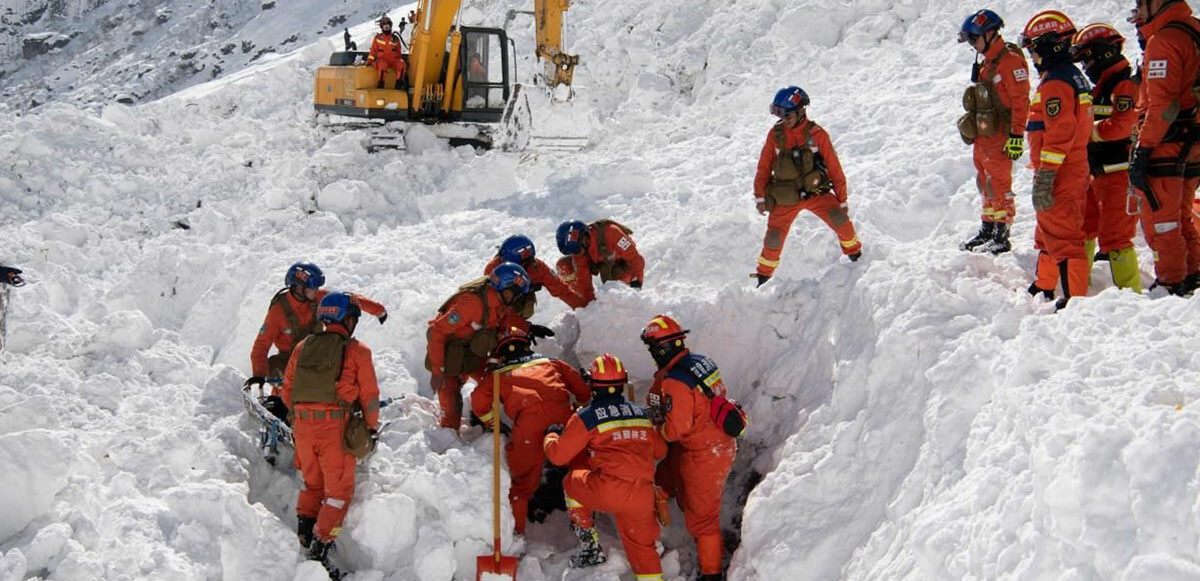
762	279
999	243
986	231
379	85
304	530
319	551
854	257
590	554
1035	291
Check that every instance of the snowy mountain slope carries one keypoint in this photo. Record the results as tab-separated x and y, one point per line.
916	415
93	52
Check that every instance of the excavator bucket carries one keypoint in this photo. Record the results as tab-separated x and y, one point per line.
537	121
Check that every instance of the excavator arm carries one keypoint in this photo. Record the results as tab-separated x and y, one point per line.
560	66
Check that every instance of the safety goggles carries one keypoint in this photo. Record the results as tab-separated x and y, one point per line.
780	112
964	36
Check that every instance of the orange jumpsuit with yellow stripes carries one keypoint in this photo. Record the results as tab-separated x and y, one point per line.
1169	112
829	207
1060	126
622	448
701	453
535	392
1008	72
327	469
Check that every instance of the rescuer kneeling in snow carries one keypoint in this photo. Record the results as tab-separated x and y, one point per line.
617	474
329	377
535	392
290	318
799	170
602	248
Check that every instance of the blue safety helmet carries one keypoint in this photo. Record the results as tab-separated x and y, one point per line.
517	249
305	274
978	23
510	276
336	306
788	100
568	236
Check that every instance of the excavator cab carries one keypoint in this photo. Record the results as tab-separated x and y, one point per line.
485	74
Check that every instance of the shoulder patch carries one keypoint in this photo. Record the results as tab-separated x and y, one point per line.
1053	107
1156	69
262	330
1021	75
453	317
623	243
1124	104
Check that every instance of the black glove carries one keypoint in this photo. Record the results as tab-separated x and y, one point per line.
383	318
555	429
635	283
257	379
10	275
535	287
374	434
1139	164
539	332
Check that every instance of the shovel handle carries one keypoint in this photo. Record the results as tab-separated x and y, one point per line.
496	465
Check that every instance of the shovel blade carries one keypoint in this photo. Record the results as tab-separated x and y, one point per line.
506	567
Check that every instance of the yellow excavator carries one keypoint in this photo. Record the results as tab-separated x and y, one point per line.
458	79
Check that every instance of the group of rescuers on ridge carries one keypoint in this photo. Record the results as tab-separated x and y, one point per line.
1102	160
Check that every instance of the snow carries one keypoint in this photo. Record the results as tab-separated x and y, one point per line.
915	415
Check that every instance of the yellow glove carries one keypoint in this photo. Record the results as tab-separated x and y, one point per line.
1014	147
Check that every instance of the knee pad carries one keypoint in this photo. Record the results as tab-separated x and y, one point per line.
774	239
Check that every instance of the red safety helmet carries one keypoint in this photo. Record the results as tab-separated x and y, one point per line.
662	329
607	375
1047	25
512	341
1096	42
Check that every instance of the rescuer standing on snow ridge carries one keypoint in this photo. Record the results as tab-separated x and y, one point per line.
1106	209
1060	127
799	170
1165	166
997	104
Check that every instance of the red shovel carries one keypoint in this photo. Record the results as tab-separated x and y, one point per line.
495	563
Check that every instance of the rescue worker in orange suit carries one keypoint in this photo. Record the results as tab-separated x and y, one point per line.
1060	128
799	170
467	328
1165	165
520	250
997	104
602	248
535	392
616	475
387	53
700	454
290	319
1106	211
330	375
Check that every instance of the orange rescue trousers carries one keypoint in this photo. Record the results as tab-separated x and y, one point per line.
450	400
779	223
1166	216
696	478
397	64
1059	235
328	473
526	457
1107	213
632	505
993	178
